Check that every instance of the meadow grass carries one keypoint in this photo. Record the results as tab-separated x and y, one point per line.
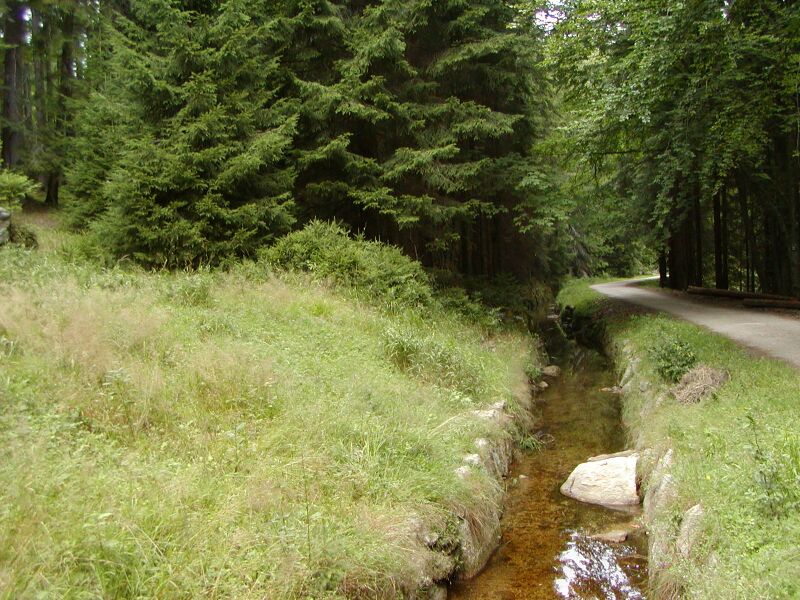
230	434
737	453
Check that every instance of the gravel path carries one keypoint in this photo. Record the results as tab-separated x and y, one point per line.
774	335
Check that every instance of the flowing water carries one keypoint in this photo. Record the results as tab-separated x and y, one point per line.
547	550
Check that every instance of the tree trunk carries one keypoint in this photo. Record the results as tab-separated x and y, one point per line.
726	282
66	77
13	38
697	232
718	262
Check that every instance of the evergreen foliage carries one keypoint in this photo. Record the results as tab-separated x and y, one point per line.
14	188
208	129
204	173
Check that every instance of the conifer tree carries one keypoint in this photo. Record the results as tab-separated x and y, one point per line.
203	173
442	107
410	121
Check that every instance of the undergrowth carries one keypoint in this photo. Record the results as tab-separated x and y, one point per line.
672	358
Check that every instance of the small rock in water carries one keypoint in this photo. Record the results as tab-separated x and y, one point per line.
551	371
612	390
543	385
615	536
608	482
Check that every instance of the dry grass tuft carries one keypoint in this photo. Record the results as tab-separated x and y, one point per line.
701	382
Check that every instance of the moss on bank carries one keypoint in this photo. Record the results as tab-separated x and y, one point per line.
246	433
736	453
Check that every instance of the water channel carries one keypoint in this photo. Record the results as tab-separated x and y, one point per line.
548	550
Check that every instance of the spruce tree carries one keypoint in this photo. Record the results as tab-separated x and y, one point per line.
221	121
203	172
442	106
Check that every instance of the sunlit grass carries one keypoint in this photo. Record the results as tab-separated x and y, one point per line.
233	434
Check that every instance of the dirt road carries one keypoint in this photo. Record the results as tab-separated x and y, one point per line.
774	335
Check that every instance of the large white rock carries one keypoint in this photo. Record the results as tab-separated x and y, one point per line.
608	481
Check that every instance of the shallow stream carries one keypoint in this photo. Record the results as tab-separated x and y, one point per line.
547	550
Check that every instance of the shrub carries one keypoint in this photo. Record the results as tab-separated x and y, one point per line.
672	357
375	269
533	371
457	300
14	188
23	235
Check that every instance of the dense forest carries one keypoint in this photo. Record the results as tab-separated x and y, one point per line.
484	138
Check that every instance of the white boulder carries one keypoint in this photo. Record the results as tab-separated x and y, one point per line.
607	481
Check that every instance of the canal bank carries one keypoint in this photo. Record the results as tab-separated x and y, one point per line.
554	546
718	467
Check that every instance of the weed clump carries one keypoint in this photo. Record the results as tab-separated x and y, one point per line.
434	360
672	357
193	289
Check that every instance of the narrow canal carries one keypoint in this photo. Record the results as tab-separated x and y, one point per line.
548	549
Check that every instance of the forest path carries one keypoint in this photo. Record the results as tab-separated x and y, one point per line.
774	335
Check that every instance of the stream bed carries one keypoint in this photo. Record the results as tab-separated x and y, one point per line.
547	550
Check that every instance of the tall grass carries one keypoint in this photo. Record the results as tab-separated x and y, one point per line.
229	434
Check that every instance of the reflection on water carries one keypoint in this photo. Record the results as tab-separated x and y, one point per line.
546	551
593	569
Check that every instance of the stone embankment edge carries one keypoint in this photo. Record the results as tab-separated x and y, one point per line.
477	539
670	541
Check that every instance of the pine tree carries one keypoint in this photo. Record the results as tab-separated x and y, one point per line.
203	172
442	110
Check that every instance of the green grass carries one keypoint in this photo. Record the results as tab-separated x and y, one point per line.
578	294
737	453
230	434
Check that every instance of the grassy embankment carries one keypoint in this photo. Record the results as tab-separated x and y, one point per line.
248	433
737	453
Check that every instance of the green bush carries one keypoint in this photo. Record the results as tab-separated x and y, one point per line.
533	371
672	357
14	188
375	269
457	300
